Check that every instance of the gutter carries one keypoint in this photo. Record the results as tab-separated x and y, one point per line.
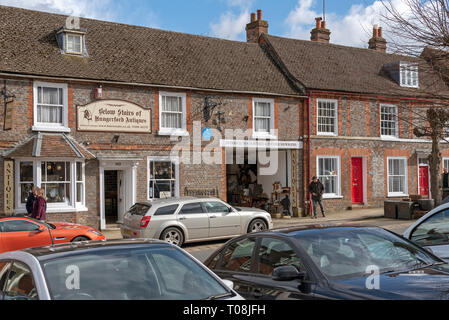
28	76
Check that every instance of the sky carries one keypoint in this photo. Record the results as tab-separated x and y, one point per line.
350	21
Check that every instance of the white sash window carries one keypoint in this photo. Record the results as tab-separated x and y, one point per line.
50	107
172	113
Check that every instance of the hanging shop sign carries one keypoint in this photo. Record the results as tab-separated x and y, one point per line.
9	116
8	187
114	116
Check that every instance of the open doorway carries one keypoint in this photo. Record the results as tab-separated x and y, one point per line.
113	196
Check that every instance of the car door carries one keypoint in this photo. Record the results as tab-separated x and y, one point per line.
235	263
196	220
20	283
223	220
273	252
20	234
433	233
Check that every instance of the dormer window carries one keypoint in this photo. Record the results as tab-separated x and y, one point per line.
408	75
72	41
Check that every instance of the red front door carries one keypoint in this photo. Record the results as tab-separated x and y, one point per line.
424	180
357	180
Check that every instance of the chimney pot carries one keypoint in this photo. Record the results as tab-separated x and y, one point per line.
318	22
379	32
323	25
253	17
377	42
259	14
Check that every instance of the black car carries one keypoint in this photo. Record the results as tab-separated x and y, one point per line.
330	262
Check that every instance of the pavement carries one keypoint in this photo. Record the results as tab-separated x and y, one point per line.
364	217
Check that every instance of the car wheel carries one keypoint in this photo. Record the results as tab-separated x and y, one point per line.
257	225
80	238
173	236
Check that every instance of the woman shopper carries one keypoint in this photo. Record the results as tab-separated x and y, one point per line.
40	206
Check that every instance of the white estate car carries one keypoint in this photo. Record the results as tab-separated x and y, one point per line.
189	219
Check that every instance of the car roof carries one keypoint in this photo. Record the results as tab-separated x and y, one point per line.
67	249
6	218
178	200
292	231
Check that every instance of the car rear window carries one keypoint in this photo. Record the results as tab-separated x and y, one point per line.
167	210
139	209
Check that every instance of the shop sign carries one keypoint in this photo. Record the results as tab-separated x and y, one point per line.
113	116
7	125
8	187
266	144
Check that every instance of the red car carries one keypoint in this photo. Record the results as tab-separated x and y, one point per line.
18	233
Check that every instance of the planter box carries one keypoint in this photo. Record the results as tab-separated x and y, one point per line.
391	209
405	210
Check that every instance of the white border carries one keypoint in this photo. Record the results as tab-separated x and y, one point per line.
335	133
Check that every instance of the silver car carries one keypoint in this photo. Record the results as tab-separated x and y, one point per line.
189	219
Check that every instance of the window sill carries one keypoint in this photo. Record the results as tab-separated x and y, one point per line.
402	195
182	133
259	135
331	134
332	196
50	129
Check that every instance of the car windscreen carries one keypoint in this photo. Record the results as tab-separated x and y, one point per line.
150	273
350	252
139	209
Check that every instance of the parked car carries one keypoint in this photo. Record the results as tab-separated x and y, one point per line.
432	231
330	262
18	233
143	269
188	219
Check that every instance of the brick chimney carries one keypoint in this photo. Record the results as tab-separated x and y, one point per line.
256	27
320	33
377	42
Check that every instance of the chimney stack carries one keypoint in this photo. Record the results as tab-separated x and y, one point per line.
320	33
377	42
256	27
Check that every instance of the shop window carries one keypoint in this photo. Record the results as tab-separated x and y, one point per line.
329	175
263	117
50	107
388	120
172	113
327	117
397	176
162	178
63	182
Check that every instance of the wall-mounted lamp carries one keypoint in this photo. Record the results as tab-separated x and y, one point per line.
99	92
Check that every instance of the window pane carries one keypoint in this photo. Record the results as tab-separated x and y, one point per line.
19	226
275	253
328	174
26	171
56	171
49	114
50	96
262	109
20	284
216	207
171	120
326	117
192	208
262	125
237	256
167	210
433	231
162	170
57	192
79	192
79	171
25	189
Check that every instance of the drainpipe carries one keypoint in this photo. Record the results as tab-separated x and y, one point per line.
309	156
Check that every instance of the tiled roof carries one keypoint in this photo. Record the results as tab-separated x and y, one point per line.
49	145
325	66
132	54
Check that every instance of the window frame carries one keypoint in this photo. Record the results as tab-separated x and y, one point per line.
409	71
262	134
337	195
173	160
174	131
324	133
396	120
397	194
72	34
45	126
71	206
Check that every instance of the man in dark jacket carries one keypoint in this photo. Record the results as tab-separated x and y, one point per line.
30	200
316	189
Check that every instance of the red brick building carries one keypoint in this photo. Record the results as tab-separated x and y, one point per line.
94	113
361	110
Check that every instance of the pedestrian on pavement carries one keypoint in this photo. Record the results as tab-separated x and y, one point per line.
30	200
40	206
316	190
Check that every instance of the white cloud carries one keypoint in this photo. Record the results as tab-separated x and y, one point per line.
98	9
353	28
230	26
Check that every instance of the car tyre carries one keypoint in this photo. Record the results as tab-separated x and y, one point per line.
257	225
173	235
80	238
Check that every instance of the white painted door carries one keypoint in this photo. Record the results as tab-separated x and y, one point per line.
121	196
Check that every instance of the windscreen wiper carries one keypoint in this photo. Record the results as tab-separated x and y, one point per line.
219	296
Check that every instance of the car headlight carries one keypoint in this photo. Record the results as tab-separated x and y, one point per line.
96	232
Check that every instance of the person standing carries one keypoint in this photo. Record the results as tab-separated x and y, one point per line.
316	190
30	199
40	205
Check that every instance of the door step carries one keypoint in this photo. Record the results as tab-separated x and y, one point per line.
112	227
360	206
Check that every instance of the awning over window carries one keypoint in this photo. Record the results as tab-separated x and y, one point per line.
49	145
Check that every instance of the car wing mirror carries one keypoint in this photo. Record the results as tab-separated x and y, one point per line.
287	273
228	283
